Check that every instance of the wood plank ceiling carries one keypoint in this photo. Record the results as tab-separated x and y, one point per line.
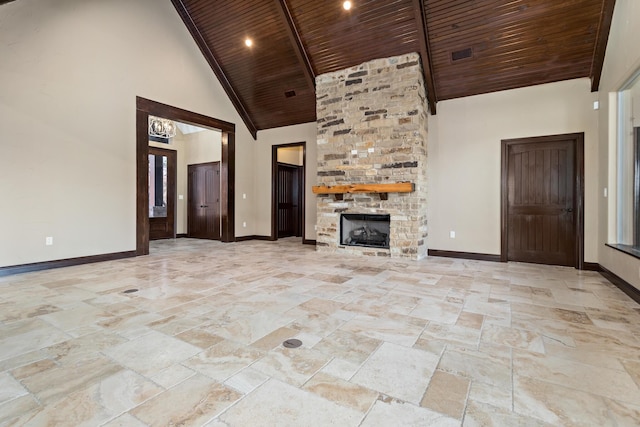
467	47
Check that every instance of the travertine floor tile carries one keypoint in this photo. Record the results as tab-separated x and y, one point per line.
398	371
279	404
223	360
26	336
441	312
446	394
247	380
294	366
275	338
200	343
383	329
151	353
340	368
624	414
342	392
605	382
10	388
348	346
470	320
172	376
125	420
493	396
192	402
390	412
558	405
513	337
53	384
254	327
478	366
16	408
484	415
199	338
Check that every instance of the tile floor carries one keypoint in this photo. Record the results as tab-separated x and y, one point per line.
439	342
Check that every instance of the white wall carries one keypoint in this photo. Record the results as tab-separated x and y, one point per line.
262	197
622	60
69	76
464	158
291	155
203	147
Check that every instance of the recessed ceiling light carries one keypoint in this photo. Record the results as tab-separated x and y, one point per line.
248	42
346	5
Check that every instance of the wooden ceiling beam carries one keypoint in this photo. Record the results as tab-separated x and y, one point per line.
604	26
215	66
425	56
296	41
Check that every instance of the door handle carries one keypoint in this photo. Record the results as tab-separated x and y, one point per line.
569	210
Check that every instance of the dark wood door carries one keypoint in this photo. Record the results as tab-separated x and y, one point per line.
541	201
289	200
203	211
162	193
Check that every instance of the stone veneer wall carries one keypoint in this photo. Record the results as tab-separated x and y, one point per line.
372	128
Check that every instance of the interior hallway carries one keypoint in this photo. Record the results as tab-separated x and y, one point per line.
439	342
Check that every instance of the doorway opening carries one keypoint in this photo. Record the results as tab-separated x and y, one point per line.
170	158
542	200
145	108
162	193
288	190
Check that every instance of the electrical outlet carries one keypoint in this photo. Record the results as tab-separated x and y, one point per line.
244	195
452	234
48	241
244	224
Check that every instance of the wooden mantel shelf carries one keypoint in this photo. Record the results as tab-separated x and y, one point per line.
382	189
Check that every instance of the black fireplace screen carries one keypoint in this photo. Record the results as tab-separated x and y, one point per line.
365	230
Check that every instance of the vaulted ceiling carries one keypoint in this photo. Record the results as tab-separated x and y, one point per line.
467	47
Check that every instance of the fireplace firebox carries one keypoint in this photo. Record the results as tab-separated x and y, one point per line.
369	230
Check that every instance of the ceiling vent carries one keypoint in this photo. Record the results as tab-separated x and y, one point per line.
461	54
290	94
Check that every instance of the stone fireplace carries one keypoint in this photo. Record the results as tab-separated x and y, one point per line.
372	129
